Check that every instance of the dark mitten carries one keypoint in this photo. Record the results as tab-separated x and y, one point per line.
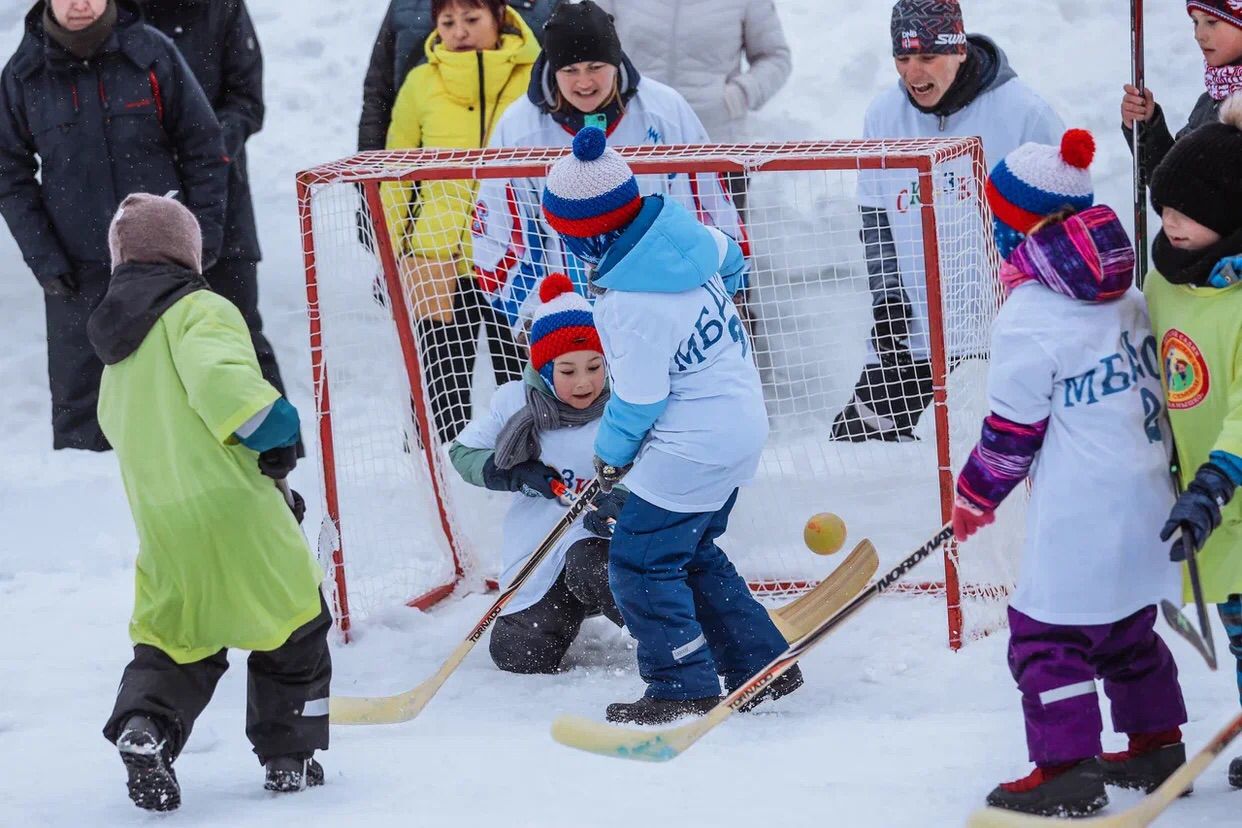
298	506
66	284
530	477
277	462
609	475
891	333
1197	510
600	520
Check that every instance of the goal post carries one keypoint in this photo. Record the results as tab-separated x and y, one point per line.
393	320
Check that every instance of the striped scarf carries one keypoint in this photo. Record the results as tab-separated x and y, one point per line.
1086	257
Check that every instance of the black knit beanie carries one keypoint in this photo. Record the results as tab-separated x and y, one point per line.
1200	177
580	32
928	27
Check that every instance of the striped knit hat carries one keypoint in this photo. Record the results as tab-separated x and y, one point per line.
592	191
1035	181
562	324
1229	11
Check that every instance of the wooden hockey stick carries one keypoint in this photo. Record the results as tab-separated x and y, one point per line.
798	617
669	743
1147	808
360	710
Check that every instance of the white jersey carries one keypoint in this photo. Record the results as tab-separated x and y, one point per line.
1004	117
529	519
1100	485
514	248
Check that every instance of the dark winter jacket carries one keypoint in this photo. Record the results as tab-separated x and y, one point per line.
218	40
132	119
399	48
1157	140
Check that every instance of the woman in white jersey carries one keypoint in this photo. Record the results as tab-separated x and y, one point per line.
582	79
540	430
1074	384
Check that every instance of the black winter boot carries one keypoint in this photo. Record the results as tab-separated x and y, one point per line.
786	683
1073	790
289	774
1150	759
152	782
1235	772
649	711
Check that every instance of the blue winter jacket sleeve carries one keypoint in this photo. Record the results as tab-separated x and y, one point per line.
1230	464
623	428
273	427
734	268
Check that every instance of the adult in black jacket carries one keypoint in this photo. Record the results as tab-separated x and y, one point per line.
97	105
219	42
399	48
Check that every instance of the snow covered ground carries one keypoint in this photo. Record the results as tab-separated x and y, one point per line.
891	730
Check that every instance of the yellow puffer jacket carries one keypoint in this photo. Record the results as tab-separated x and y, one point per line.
453	101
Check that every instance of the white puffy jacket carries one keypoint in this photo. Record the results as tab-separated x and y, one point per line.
697	46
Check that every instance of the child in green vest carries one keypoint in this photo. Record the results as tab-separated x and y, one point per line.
202	439
1195	298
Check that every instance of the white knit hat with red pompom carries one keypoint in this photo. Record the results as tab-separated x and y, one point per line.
562	324
1036	180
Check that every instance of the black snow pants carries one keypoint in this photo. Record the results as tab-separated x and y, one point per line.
73	369
286	693
535	640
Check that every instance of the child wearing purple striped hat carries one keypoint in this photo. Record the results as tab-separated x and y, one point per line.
1074	383
685	426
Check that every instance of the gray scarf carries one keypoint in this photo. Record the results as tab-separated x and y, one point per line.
518	441
84	43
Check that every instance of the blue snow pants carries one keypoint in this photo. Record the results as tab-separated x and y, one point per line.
692	614
1231	614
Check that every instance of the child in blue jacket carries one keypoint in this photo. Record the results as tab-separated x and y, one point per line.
685	426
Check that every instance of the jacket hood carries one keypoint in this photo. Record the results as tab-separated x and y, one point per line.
1001	72
664	250
518	47
137	297
1087	257
542	89
36	46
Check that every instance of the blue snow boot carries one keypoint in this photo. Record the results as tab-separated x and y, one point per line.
152	782
289	774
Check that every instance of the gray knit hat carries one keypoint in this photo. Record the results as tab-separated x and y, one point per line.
155	229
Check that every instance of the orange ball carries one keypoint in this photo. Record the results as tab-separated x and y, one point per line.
824	533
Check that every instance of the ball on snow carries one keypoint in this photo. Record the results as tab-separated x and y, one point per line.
824	533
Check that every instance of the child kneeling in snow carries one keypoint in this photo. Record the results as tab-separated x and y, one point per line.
1196	311
1074	384
540	431
200	435
687	413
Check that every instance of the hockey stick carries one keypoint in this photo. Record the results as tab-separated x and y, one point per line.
1196	590
1140	814
669	743
1183	627
802	615
358	710
1138	78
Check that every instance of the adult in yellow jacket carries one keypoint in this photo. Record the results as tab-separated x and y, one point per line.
479	61
200	436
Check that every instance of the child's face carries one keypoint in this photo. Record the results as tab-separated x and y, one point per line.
1185	233
1221	42
578	378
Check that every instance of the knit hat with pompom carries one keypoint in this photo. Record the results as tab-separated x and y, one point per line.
591	191
1198	177
1037	180
562	324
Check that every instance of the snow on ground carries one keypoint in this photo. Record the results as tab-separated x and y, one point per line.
891	730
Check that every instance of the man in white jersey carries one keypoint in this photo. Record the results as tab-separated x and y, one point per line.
951	84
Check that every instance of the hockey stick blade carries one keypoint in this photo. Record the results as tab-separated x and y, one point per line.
1183	627
362	710
669	743
798	617
1142	813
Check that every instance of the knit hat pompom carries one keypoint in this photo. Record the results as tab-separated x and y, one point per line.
1198	176
563	324
592	190
1078	148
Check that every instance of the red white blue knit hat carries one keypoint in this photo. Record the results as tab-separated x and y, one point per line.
1036	180
592	191
1229	11
562	324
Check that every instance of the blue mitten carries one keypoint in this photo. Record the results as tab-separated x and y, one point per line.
1197	510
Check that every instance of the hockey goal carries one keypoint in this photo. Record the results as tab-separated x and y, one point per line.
401	528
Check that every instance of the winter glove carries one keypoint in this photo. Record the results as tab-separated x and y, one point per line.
890	335
969	518
1197	511
277	462
609	475
1228	271
530	477
63	286
607	507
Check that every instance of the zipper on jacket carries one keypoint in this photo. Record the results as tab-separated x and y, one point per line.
482	103
944	122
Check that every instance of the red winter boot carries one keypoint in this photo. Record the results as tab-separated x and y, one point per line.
1150	759
1070	790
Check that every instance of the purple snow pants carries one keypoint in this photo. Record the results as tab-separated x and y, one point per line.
1056	666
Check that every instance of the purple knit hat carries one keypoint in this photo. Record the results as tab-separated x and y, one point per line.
928	27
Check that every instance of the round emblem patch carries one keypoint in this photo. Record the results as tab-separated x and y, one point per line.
1185	371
